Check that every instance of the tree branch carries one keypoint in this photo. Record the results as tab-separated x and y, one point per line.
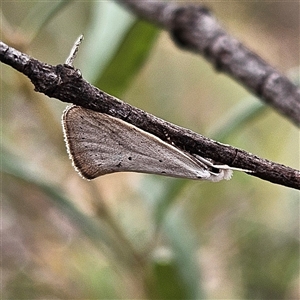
195	29
66	84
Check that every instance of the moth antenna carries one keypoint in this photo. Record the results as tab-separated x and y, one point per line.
222	167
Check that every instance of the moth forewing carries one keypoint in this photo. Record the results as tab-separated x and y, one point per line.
99	144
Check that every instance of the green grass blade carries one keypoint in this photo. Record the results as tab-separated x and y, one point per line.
240	115
129	58
183	244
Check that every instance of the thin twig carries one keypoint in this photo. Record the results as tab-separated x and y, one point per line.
194	28
66	84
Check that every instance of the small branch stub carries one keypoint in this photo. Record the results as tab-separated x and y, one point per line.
70	60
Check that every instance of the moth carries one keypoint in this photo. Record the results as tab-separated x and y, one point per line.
100	144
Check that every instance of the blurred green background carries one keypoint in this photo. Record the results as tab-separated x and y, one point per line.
137	236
